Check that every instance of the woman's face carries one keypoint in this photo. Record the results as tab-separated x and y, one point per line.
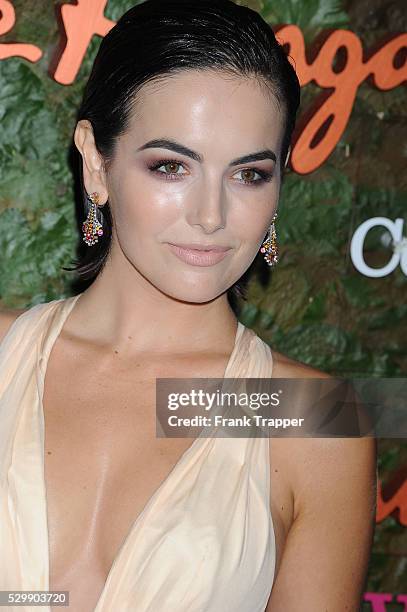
202	194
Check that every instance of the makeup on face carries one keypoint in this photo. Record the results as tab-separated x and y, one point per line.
163	143
200	255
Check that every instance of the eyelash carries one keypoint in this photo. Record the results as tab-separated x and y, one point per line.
265	176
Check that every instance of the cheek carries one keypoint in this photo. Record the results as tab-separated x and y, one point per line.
249	222
141	211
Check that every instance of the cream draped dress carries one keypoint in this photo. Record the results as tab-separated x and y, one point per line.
205	540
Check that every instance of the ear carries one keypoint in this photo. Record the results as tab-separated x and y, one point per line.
287	158
94	174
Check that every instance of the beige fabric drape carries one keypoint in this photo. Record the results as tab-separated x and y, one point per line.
205	540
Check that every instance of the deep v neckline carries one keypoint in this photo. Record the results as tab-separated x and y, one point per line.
64	308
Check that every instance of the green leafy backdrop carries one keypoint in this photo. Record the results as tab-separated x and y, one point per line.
314	306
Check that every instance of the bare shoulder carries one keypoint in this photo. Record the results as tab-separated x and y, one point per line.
315	462
333	483
7	318
287	454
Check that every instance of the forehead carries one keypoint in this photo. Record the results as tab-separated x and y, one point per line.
207	108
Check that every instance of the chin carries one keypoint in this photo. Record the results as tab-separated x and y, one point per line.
192	292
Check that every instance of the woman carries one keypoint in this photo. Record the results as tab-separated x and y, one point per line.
183	135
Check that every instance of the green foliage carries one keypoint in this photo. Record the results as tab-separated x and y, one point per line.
311	16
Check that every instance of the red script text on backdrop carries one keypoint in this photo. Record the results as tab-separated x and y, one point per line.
331	111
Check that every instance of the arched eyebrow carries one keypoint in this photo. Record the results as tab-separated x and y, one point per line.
172	145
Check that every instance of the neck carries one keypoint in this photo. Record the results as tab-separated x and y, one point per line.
128	312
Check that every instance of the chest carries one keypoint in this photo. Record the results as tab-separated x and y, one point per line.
103	464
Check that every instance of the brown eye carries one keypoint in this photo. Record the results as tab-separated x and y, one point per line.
172	167
248	175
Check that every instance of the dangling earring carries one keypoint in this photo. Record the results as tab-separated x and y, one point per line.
269	246
91	227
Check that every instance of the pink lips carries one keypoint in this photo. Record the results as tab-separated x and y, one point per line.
202	256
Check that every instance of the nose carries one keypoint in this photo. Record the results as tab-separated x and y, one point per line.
208	210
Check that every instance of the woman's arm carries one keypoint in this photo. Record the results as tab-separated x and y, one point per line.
325	560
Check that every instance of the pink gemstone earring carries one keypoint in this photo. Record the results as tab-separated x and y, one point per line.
269	246
91	227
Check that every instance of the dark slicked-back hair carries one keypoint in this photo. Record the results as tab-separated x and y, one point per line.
156	39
